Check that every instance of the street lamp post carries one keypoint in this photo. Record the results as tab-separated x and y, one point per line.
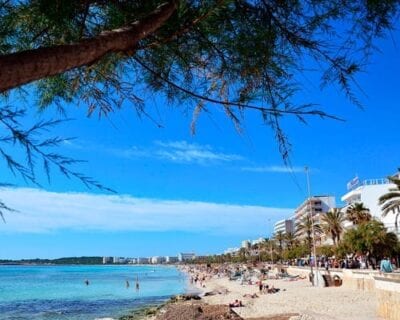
312	231
270	250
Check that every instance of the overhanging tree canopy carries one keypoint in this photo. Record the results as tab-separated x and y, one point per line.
236	55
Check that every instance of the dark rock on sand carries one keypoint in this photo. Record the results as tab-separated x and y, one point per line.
142	313
184	297
190	311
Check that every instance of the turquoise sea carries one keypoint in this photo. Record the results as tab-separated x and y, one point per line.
60	292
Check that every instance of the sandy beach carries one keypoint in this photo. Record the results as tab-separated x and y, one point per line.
295	300
333	303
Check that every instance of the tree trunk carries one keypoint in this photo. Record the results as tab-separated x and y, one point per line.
20	68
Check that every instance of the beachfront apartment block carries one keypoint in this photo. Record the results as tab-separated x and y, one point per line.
142	260
119	260
314	206
182	257
285	226
246	244
232	251
257	241
131	260
157	260
169	259
107	260
368	192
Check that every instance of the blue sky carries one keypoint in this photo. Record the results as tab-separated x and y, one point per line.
202	193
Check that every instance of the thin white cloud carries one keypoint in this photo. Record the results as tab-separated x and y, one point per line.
274	169
182	151
177	151
41	211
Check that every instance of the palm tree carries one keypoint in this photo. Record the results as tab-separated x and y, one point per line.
390	201
280	237
358	214
332	223
305	228
290	239
269	247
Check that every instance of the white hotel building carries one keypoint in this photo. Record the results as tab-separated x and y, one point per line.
317	205
368	192
182	257
285	226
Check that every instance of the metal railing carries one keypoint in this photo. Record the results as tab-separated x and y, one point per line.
369	182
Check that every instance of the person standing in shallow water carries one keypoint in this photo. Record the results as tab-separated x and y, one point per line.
87	282
127	284
137	284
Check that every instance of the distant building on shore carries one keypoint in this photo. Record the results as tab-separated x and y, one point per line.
183	257
232	251
107	260
285	226
119	260
131	260
157	260
246	244
169	259
142	260
368	192
257	241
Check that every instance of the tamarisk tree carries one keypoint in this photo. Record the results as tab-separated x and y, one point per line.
239	56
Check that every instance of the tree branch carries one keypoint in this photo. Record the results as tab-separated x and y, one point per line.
264	110
21	68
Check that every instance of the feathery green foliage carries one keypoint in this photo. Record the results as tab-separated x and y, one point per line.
358	214
231	55
370	238
390	202
304	230
332	224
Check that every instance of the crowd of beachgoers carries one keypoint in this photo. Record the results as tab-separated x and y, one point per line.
263	291
350	262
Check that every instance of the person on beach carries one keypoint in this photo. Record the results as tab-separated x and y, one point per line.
386	265
248	295
236	304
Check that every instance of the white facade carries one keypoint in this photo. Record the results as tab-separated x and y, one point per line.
186	257
169	259
368	192
246	244
284	226
257	241
119	260
317	205
157	260
107	260
142	260
232	251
